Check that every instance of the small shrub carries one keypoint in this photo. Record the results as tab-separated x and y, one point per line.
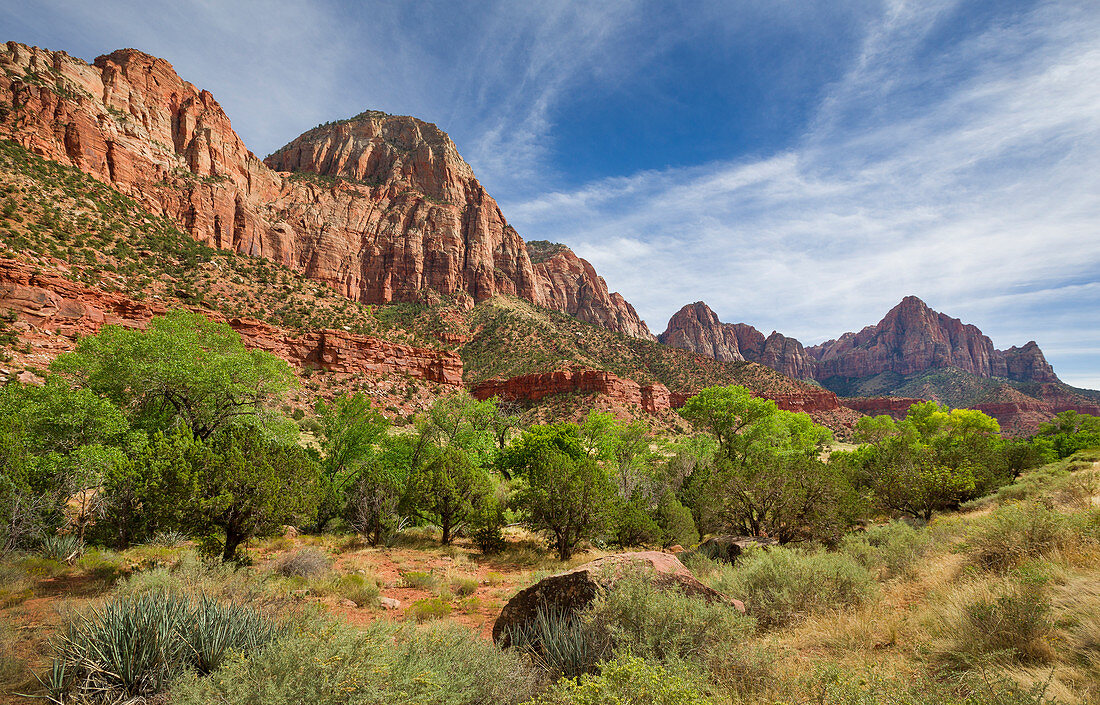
303	563
676	523
494	578
381	662
464	586
561	644
1013	620
890	550
168	539
782	585
1015	533
419	579
107	566
489	540
360	589
471	605
625	679
429	608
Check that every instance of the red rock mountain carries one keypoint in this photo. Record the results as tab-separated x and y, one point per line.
382	207
696	327
911	338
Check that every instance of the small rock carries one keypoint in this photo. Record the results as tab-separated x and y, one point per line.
676	548
289	532
729	548
390	603
348	603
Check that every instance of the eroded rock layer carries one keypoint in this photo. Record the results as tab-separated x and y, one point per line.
379	207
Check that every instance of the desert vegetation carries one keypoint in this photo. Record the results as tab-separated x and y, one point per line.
188	540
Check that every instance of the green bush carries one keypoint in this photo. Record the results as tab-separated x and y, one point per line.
1015	533
361	589
463	586
419	579
133	647
661	624
782	585
890	550
428	609
676	523
559	643
382	662
625	680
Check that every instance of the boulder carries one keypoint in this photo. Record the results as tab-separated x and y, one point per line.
729	548
572	590
390	603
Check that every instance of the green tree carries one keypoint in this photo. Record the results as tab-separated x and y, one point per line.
1070	432
183	370
536	442
252	485
458	420
447	489
570	498
350	433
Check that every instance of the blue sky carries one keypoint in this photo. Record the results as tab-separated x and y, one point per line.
799	165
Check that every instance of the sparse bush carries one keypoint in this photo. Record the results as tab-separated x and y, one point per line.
429	608
625	679
361	589
419	579
304	563
1016	533
890	550
783	585
464	586
1011	620
382	662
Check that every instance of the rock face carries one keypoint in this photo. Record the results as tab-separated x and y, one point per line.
696	327
573	590
654	398
911	338
380	207
67	310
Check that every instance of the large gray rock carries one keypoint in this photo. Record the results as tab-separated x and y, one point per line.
571	591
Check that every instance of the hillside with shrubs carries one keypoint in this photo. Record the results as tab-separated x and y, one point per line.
168	531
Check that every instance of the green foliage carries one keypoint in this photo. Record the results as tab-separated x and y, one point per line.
382	662
568	498
890	550
537	442
134	647
350	432
448	488
782	585
372	505
251	485
363	590
676	522
64	548
1070	432
933	460
460	421
183	369
1015	533
624	680
634	526
429	608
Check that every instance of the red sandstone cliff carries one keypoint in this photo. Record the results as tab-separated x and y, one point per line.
61	311
406	213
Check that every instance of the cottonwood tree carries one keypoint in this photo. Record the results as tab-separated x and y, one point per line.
351	430
183	370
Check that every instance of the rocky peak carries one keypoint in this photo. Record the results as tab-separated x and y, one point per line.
696	327
382	149
397	210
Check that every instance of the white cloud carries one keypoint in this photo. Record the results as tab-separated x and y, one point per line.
961	191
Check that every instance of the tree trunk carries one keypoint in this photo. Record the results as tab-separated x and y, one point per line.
446	525
232	541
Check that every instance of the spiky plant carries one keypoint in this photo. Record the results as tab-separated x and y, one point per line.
560	643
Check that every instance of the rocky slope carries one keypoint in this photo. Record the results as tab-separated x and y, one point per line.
378	207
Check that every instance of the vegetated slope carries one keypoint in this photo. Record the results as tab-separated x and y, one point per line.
378	207
73	249
510	337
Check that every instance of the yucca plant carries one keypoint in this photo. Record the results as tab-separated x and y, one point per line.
63	548
560	643
133	646
215	628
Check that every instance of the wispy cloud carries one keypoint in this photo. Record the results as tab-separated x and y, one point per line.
967	178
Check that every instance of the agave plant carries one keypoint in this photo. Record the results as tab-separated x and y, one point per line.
215	628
